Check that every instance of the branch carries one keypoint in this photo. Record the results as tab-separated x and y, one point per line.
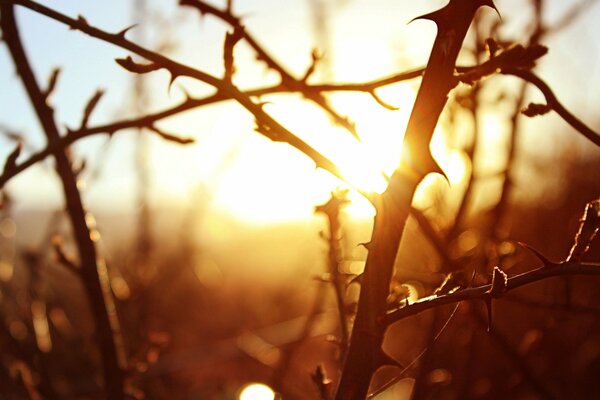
97	291
482	292
275	131
553	102
287	79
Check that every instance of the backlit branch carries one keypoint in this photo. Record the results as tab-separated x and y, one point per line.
466	73
287	79
482	292
269	127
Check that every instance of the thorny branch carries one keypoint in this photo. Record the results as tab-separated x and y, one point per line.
287	79
93	273
266	125
482	292
516	61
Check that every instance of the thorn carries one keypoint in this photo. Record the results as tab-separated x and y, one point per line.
435	16
61	257
383	359
537	253
11	161
319	377
357	279
81	19
137	68
381	102
122	33
492	47
89	108
171	138
435	168
366	245
52	80
488	306
172	80
499	283
444	15
490	4
78	169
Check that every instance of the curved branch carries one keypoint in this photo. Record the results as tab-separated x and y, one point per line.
554	103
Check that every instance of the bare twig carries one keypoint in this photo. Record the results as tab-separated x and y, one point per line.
332	209
588	229
481	292
553	102
268	126
287	79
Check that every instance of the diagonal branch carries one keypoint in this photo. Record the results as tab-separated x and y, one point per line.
553	102
266	124
287	79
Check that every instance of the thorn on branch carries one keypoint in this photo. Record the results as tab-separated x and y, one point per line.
62	257
79	168
588	229
231	39
11	162
323	383
123	32
535	109
537	254
381	102
82	21
170	137
498	288
137	68
357	279
52	80
385	360
453	282
316	56
492	47
89	108
499	283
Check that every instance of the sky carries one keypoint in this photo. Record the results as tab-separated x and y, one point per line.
245	174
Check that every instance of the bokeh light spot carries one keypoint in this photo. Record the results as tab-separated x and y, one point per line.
257	391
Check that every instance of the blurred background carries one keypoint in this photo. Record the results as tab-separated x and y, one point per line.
217	257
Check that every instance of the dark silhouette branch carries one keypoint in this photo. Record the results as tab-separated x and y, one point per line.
365	354
553	102
266	125
332	209
482	292
287	79
93	277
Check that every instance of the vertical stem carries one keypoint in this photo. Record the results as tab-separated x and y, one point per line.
365	354
93	274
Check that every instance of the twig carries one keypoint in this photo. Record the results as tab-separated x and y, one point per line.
332	209
266	124
287	79
553	102
566	268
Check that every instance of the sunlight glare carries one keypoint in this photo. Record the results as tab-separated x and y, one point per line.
257	391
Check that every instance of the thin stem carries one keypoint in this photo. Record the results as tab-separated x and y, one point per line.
481	292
